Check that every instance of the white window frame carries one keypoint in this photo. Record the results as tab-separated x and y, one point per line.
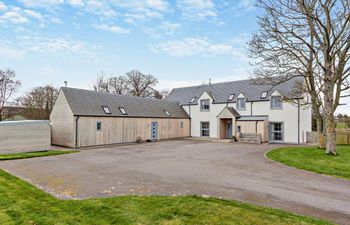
204	129
123	111
238	104
272	105
106	109
202	105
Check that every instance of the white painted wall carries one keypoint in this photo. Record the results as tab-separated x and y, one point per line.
288	115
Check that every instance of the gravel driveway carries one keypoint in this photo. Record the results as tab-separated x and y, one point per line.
185	167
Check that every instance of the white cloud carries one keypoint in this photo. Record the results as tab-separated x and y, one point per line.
3	7
33	14
112	28
41	3
76	3
101	8
169	27
15	17
199	46
197	9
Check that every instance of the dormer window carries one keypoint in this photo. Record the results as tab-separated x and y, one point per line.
106	110
264	94
123	111
230	98
205	105
193	99
167	113
241	104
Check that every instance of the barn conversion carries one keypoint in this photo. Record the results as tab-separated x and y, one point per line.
82	118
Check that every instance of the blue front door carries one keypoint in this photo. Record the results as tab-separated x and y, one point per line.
228	129
154	130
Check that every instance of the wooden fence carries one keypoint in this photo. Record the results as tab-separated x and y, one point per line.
343	136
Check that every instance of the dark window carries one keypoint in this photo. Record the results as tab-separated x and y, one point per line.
123	111
241	104
276	102
239	128
106	110
167	113
193	99
205	129
277	131
99	126
181	124
205	105
230	98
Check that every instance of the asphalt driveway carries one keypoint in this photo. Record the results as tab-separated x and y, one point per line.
185	167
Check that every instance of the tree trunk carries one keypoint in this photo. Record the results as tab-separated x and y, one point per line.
331	137
321	138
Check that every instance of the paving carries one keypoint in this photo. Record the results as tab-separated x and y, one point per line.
186	167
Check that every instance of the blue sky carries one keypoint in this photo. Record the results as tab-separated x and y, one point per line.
181	42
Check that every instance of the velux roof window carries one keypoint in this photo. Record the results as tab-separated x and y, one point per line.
167	113
230	98
264	94
106	110
123	111
193	99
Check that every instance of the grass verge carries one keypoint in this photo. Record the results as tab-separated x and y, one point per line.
315	160
22	203
26	155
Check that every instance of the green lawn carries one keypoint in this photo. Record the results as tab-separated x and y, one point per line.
315	160
34	154
22	203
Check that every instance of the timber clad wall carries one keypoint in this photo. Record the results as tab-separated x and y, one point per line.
123	130
62	121
24	136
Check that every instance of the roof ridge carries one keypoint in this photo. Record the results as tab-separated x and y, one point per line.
113	94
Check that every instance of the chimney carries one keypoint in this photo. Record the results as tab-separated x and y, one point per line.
65	83
209	81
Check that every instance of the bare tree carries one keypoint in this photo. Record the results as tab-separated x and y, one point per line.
308	39
101	84
141	84
118	85
39	102
8	86
162	94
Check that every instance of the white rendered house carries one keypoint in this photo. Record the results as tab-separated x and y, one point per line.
222	110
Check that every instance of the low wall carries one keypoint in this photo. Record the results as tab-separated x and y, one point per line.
24	136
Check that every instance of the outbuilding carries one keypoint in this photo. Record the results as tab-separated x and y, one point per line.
82	118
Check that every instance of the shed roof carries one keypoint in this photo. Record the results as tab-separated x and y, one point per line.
221	91
89	103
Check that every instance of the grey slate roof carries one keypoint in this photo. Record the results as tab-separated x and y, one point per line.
234	112
221	91
89	103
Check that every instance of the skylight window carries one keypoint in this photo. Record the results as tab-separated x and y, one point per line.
106	110
264	94
167	113
123	111
230	98
193	99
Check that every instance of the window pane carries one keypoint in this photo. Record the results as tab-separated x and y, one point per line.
276	102
205	105
205	129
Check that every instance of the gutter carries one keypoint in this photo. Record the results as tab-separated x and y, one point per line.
76	131
298	122
251	108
